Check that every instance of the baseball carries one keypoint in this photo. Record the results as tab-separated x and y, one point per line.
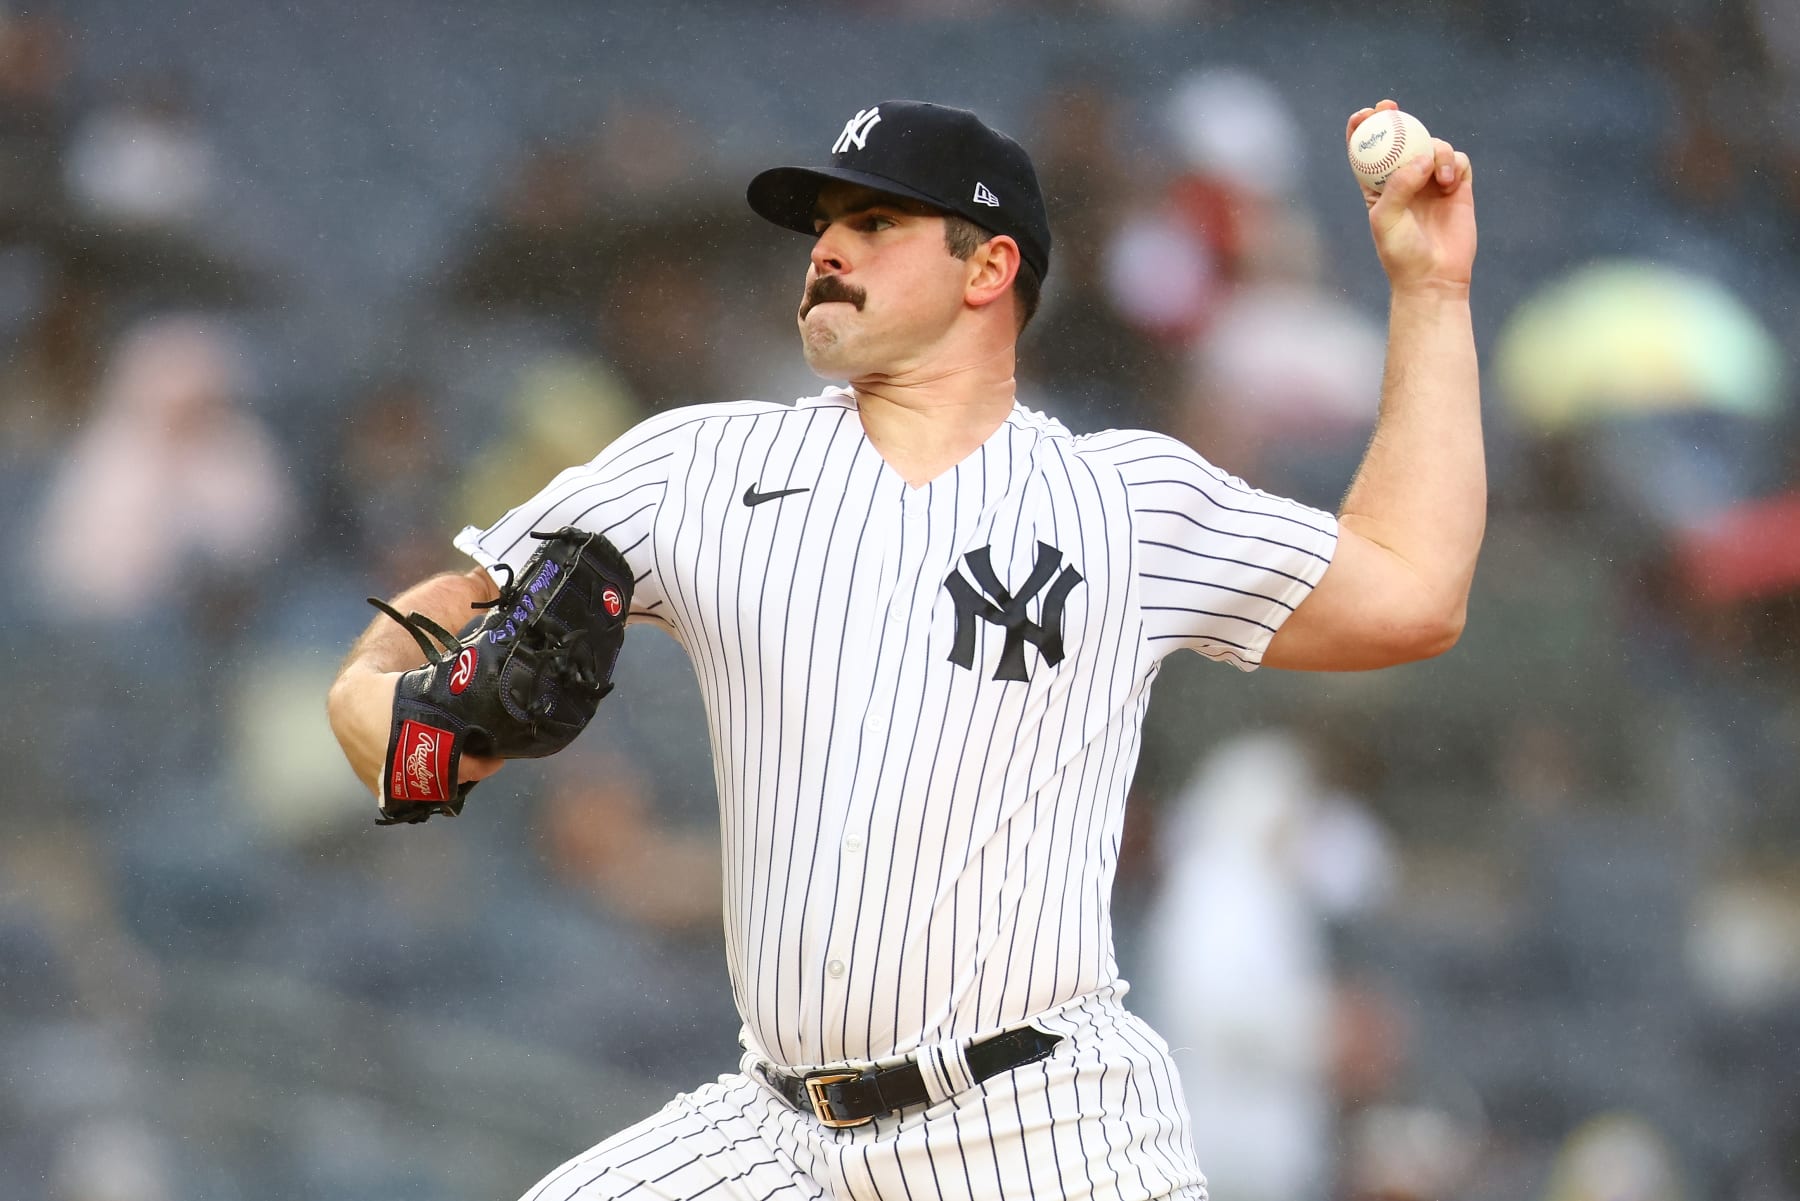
1381	144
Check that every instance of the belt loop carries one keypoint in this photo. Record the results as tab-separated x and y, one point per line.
945	1069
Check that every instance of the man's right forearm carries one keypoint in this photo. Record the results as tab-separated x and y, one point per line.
447	599
361	703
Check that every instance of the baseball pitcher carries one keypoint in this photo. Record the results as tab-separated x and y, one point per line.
925	622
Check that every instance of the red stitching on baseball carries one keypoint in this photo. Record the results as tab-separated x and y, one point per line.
1396	149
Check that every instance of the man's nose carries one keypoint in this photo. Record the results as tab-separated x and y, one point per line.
828	254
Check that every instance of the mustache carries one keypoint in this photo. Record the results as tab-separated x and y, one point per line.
829	288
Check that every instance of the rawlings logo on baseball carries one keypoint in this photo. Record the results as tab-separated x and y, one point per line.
1383	142
463	672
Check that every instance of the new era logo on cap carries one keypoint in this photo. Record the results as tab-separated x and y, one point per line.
946	157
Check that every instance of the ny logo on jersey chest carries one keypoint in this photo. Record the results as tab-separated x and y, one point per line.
987	599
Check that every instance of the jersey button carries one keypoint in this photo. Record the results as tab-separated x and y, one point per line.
853	842
835	967
877	722
896	612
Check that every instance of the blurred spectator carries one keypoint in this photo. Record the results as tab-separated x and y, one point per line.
537	247
1714	136
550	194
287	781
1282	378
1592	973
658	319
1421	1151
1616	1157
603	834
1776	29
644	156
563	410
173	491
55	883
611	950
1748	552
113	1158
34	66
385	501
626	206
1743	945
1092	367
142	161
1666	384
625	844
1657	396
1726	602
47	380
1283	388
1224	212
1260	853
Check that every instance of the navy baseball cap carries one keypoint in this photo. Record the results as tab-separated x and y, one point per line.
945	157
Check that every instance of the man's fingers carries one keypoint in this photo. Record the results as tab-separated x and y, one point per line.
1363	114
1451	167
472	769
1406	182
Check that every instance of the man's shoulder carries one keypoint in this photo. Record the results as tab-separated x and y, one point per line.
1128	451
690	419
718	410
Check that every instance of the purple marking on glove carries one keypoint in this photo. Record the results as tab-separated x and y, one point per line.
527	602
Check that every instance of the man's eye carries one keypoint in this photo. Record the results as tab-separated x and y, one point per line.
865	222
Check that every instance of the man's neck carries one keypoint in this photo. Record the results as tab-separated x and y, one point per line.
924	429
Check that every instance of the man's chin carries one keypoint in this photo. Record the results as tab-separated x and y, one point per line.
825	353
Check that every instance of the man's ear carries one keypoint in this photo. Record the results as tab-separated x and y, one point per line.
992	269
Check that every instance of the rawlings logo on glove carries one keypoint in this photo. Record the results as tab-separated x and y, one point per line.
519	683
423	772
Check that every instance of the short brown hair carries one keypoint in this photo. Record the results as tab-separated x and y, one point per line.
961	238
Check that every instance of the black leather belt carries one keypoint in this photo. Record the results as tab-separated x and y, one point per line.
839	1099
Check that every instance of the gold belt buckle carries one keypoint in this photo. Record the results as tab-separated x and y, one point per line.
815	1092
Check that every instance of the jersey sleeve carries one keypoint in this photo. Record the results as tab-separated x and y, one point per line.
618	494
1220	564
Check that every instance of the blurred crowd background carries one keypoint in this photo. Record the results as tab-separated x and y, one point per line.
290	293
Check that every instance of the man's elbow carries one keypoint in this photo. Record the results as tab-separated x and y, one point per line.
1431	631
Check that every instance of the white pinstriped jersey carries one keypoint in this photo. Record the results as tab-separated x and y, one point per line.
924	704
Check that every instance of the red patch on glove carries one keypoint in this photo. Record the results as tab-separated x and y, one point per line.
421	767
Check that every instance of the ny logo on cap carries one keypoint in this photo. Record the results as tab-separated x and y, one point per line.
983	196
856	130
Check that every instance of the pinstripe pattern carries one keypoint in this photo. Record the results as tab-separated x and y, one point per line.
1100	1119
916	851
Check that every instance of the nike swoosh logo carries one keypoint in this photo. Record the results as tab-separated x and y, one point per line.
752	497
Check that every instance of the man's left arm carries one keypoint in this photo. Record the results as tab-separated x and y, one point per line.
1411	525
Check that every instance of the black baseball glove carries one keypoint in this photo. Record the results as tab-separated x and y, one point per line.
518	683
